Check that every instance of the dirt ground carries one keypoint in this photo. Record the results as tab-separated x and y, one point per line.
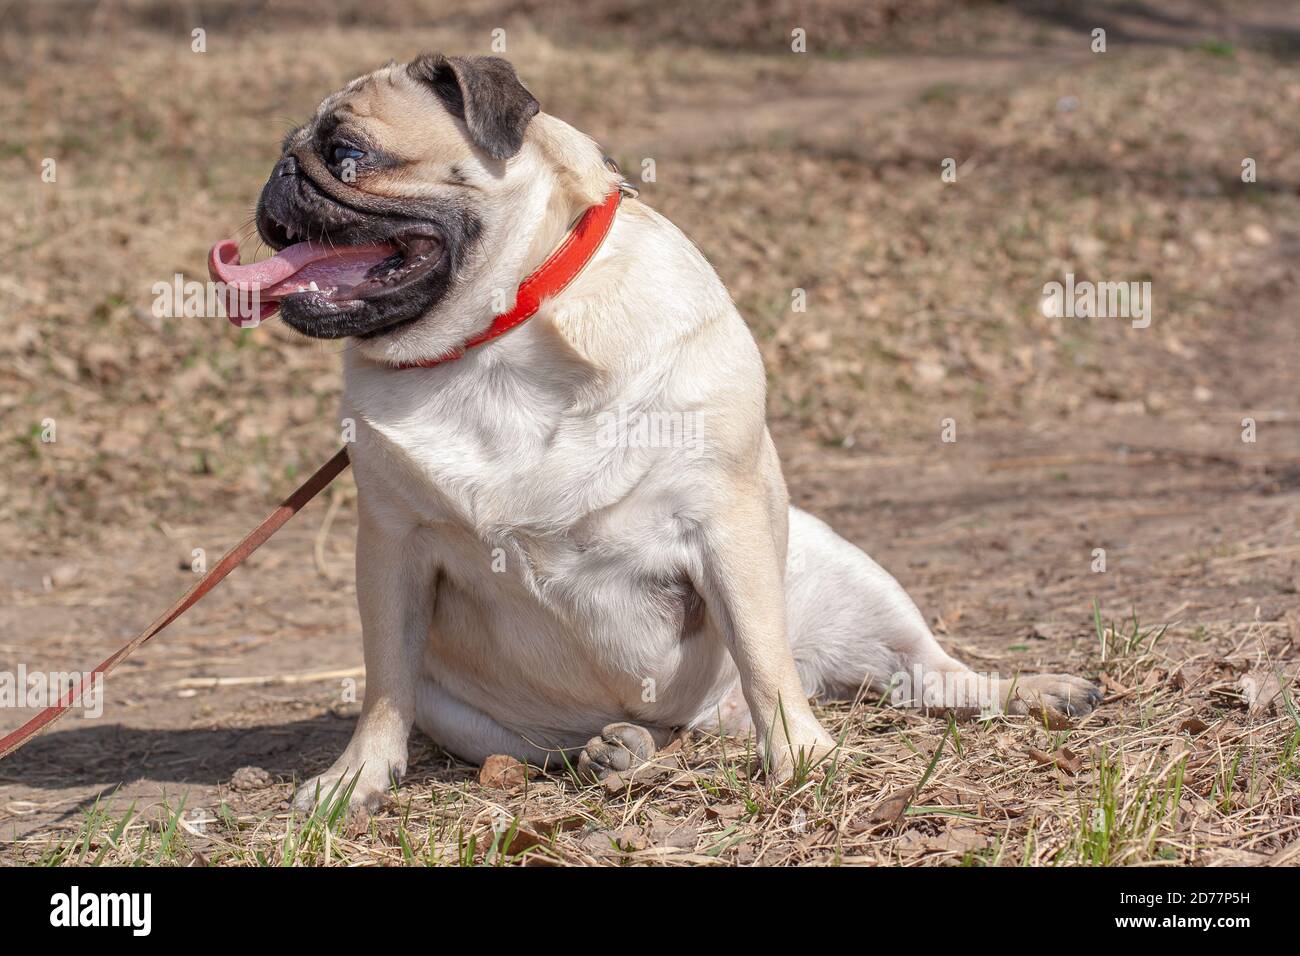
817	171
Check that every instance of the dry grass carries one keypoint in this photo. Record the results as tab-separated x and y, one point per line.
1172	771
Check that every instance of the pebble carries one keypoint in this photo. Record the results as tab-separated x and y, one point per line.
250	778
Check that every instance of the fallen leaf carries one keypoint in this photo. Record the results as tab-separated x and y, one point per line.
960	840
614	842
914	840
641	775
1258	688
1049	717
1194	726
1069	761
892	807
1188	675
1113	686
726	811
1227	731
502	772
673	746
551	827
678	835
1155	677
524	838
1066	759
629	838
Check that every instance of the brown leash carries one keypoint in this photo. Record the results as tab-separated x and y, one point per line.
232	559
549	279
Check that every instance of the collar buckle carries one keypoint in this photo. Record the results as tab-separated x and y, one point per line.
625	187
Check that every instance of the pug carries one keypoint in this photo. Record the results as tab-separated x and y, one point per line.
574	536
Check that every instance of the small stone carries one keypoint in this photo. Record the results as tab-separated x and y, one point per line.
63	575
929	373
1257	235
250	778
1087	247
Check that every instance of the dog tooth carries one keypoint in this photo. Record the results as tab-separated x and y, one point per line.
311	286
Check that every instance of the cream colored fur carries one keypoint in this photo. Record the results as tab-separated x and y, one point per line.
523	584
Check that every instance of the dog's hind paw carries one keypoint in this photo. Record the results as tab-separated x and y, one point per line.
1072	696
619	748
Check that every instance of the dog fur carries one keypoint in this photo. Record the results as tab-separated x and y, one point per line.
526	587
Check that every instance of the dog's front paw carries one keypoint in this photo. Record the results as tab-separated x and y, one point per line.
363	790
797	752
1072	696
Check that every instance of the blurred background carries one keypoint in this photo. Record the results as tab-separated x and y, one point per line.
818	171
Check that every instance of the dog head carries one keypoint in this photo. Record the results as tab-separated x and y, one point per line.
405	212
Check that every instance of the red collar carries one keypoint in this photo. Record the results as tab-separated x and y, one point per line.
549	279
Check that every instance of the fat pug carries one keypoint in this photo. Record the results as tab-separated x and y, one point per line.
535	578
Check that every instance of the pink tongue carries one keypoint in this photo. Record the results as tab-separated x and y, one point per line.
295	268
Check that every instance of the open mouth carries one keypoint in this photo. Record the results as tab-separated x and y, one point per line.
320	277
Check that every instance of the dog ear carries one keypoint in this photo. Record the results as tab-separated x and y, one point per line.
484	92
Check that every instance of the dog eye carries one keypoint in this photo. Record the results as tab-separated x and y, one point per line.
340	154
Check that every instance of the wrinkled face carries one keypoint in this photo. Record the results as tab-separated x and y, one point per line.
372	207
